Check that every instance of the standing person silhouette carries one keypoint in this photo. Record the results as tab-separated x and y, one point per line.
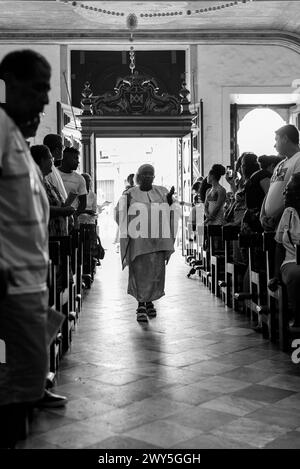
147	239
24	215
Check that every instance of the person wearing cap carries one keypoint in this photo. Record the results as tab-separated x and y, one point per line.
147	219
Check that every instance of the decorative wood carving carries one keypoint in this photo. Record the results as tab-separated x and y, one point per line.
135	95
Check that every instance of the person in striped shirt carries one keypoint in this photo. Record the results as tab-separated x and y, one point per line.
24	216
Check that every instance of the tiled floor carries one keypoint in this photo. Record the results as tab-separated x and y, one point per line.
194	377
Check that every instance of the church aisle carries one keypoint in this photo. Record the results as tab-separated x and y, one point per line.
194	377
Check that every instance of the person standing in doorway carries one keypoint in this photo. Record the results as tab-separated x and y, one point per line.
147	235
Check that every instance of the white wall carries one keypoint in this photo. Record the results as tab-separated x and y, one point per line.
222	70
226	69
52	54
127	154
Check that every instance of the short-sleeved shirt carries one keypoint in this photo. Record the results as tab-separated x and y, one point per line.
289	225
24	212
74	182
274	203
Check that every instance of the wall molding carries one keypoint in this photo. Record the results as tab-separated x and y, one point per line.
243	37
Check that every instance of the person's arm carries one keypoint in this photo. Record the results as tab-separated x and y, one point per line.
81	204
232	182
4	137
265	184
170	195
61	211
206	204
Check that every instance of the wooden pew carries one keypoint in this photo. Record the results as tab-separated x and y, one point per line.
274	313
229	286
63	296
217	258
196	261
189	244
56	346
256	297
88	234
76	266
79	244
205	272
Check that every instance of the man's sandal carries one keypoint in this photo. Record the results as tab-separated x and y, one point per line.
151	311
141	314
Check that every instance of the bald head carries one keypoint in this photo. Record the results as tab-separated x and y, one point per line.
146	169
145	176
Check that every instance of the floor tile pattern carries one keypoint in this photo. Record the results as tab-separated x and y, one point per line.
196	376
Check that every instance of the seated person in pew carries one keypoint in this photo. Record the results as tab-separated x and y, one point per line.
287	236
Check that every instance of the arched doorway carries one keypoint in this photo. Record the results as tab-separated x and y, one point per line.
256	132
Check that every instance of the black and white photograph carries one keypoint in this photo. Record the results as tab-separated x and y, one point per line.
149	230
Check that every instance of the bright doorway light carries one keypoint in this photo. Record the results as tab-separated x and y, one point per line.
116	158
257	131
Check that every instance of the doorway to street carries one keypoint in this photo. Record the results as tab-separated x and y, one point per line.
116	158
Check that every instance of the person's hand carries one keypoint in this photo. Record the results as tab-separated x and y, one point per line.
170	195
229	179
273	284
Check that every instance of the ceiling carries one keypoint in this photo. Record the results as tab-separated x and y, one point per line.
62	19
